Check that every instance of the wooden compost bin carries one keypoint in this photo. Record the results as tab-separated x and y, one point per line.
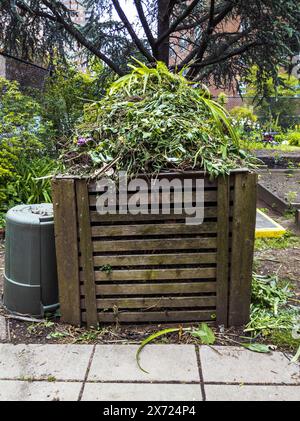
162	270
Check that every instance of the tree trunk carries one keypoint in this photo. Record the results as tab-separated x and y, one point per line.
163	23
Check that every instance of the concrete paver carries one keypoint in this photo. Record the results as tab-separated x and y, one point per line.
141	392
163	362
58	372
252	393
60	362
238	365
12	390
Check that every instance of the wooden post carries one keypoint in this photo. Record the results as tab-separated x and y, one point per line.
243	235
86	249
65	217
223	200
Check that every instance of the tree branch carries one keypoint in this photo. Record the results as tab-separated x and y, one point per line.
213	22
233	53
140	10
174	25
131	31
72	30
23	6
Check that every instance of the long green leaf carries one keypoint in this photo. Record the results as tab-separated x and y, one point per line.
261	348
151	338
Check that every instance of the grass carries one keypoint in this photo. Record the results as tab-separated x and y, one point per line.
288	240
250	146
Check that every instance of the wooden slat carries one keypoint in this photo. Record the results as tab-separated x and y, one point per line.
156	288
154	302
223	251
209	212
155	259
153	229
65	217
86	247
147	198
154	274
208	183
242	248
161	244
166	316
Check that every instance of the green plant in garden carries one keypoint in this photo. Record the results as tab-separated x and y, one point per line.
32	182
152	120
66	92
280	98
23	134
293	138
245	122
273	313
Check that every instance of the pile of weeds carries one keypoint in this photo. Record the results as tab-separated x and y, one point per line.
153	120
274	313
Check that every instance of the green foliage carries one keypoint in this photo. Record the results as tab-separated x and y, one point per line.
271	314
66	92
261	348
245	122
23	133
205	334
280	97
293	137
243	114
152	119
32	182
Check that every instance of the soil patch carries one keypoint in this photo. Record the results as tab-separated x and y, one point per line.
286	186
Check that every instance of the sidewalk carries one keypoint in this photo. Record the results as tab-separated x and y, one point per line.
176	372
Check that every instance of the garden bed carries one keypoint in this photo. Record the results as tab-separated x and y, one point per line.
278	159
280	189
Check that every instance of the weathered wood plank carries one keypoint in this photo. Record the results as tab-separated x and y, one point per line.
86	247
242	248
65	217
209	212
156	288
154	302
154	274
153	229
208	183
166	316
155	259
160	244
177	197
223	251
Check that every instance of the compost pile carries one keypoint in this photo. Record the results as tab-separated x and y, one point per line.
153	120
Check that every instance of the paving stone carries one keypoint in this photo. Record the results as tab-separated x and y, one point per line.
61	362
238	365
252	393
3	331
141	392
12	390
163	362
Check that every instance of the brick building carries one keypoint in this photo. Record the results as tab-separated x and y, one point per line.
77	7
29	75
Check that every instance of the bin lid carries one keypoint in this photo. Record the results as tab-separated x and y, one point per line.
31	214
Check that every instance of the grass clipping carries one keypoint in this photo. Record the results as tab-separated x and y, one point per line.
275	313
153	120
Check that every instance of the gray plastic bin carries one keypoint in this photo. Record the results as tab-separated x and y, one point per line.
30	279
